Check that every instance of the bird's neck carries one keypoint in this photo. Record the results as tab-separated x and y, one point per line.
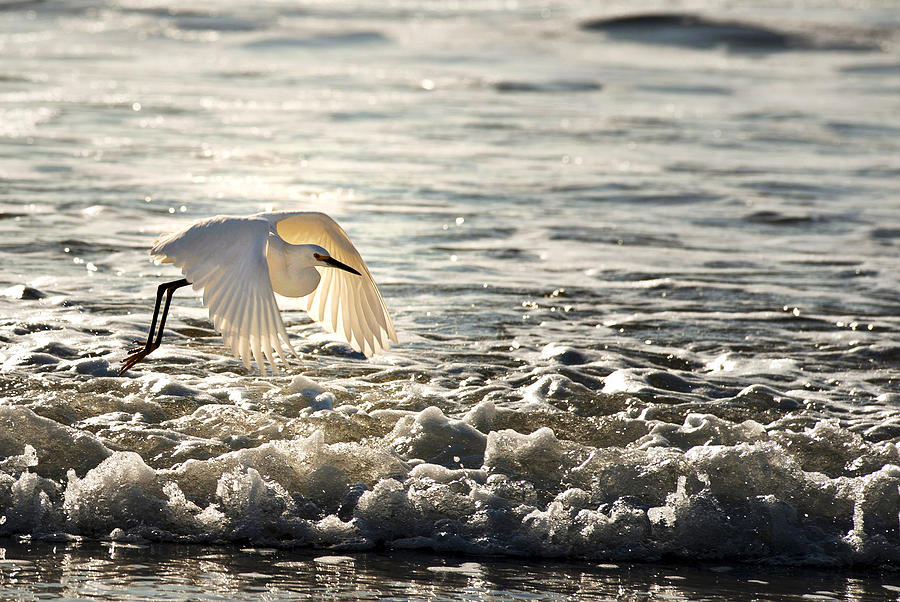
290	267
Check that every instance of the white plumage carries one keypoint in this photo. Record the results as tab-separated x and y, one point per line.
240	262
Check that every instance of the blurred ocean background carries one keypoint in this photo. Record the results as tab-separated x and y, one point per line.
642	258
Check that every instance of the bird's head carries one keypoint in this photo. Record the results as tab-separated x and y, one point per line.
323	258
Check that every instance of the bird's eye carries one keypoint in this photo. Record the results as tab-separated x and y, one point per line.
318	257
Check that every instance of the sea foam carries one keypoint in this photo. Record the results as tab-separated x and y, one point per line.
706	489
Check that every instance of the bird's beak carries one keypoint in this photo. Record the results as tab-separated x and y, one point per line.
337	264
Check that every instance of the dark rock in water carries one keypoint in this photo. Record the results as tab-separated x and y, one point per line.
873	69
350	500
547	87
885	233
787	404
694	31
324	40
237	441
92	366
58	349
883	432
774	218
340	349
669	382
563	354
38	359
25	293
31	294
214	23
691	30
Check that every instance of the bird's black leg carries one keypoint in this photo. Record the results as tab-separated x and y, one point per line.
162	321
167	288
159	295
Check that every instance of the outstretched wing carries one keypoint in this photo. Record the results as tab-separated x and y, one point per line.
348	305
226	257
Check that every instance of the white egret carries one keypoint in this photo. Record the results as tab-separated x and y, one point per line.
240	262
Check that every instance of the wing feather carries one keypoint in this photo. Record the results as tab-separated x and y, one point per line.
334	300
348	305
226	258
353	316
249	334
268	327
233	329
376	326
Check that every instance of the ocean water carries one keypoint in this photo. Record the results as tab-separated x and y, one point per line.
642	259
112	571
